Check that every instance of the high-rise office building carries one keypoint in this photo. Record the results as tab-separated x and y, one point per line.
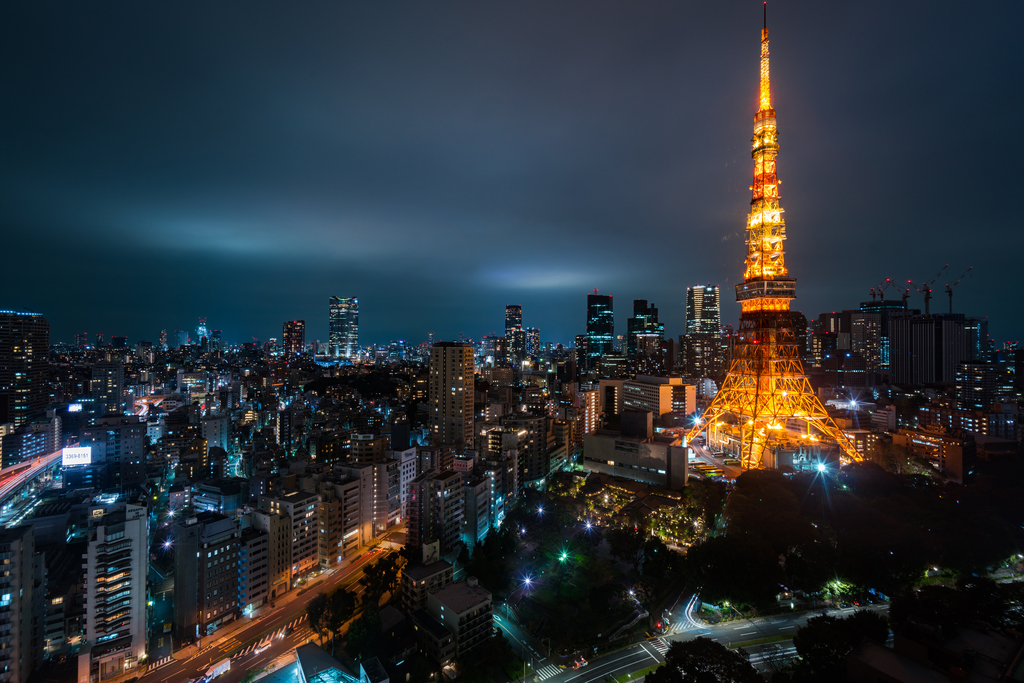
24	369
514	333
600	327
118	446
702	349
205	574
532	341
703	310
115	591
885	308
450	393
644	333
108	386
513	318
17	591
343	339
293	336
927	348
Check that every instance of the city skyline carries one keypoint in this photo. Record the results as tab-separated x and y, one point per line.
826	491
382	164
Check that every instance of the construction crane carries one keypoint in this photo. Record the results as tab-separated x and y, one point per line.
949	288
926	289
904	294
878	291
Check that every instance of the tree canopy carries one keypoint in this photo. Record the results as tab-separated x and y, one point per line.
703	660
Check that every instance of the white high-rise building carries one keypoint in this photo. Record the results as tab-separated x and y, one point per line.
115	591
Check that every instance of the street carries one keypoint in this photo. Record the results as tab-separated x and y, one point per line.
236	639
652	652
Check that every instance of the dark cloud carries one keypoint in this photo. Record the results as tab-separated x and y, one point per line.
244	161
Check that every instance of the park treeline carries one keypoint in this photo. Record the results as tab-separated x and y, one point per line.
860	527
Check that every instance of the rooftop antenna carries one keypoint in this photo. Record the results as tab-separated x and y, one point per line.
766	13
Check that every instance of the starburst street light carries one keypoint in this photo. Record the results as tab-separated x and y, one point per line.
563	557
822	467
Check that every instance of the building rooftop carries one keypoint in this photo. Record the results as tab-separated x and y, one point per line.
461	596
446	475
374	671
421	572
295	497
61	507
318	666
435	627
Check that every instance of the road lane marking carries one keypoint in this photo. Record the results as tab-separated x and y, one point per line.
600	665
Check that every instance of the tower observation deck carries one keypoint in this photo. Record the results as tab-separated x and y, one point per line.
766	406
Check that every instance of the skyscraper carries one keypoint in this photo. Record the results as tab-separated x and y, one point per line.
514	333
703	309
926	349
293	337
24	368
600	327
643	331
343	340
450	393
532	341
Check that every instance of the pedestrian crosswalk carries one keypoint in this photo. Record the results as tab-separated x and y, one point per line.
163	661
270	637
547	672
660	645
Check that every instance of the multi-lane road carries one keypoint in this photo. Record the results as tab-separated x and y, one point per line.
286	627
643	655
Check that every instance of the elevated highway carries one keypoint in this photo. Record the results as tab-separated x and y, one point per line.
16	482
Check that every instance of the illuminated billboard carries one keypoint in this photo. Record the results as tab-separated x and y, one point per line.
75	408
77	456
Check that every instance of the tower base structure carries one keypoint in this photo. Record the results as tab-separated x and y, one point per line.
766	411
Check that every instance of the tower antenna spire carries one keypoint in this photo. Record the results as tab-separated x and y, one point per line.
766	13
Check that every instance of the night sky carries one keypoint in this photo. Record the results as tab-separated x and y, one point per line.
244	161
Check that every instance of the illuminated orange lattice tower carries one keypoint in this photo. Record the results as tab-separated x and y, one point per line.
766	403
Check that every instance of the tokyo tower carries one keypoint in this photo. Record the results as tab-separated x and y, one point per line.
766	406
